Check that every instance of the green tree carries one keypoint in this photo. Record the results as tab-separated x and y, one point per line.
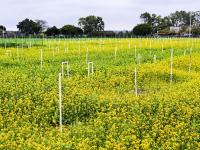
196	31
165	23
146	18
142	30
71	30
91	24
2	29
42	24
178	19
28	27
52	31
196	21
156	22
181	18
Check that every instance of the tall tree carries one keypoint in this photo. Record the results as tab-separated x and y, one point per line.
165	23
196	21
52	31
142	29
195	31
71	30
146	18
151	19
180	18
100	24
91	24
42	24
2	29
155	22
28	27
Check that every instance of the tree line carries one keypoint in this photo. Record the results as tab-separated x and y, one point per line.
89	26
185	23
152	24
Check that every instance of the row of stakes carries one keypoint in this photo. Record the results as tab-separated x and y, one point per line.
9	53
137	56
92	72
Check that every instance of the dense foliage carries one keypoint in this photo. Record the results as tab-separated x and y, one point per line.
71	30
28	26
91	24
52	31
181	19
142	30
2	29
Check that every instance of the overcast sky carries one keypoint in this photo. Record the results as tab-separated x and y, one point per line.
117	14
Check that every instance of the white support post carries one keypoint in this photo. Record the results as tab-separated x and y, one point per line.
171	67
67	63
60	98
135	79
90	63
154	59
184	52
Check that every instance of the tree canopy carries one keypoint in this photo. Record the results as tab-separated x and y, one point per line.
52	31
2	28
42	24
94	25
28	26
180	19
71	30
142	30
91	24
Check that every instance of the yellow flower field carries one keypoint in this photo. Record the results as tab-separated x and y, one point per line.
141	95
